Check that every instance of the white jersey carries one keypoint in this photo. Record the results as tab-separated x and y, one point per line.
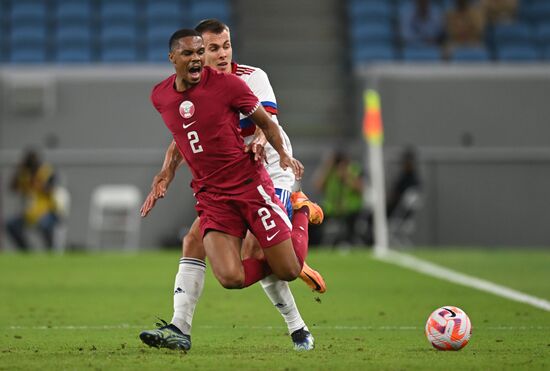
258	82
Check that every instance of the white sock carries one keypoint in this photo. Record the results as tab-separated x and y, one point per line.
187	291
280	295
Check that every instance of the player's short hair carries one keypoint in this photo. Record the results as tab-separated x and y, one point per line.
211	25
179	34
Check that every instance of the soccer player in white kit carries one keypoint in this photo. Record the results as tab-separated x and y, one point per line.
190	277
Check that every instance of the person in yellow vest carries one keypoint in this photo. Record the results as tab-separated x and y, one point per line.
34	182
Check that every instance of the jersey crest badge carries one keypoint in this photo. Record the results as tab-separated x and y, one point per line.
187	109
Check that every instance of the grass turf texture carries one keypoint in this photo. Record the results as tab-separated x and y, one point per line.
86	311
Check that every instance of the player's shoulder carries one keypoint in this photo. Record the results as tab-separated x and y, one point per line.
244	70
161	90
162	86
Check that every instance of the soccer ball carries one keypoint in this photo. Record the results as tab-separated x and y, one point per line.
448	328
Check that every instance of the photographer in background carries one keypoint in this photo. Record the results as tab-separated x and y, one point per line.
34	182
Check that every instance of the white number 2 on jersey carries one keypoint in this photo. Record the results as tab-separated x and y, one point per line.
193	140
265	215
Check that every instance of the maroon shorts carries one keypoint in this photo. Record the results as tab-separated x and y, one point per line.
258	210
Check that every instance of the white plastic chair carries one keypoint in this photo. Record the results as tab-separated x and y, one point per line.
402	222
62	199
114	212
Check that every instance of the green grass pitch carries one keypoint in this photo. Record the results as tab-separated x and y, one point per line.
82	312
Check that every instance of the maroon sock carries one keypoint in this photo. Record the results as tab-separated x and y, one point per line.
300	221
255	270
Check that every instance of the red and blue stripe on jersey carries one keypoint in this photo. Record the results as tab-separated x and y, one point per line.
247	126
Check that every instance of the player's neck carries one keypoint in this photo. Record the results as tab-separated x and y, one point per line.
181	85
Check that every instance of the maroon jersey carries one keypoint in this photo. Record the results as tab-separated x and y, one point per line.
204	121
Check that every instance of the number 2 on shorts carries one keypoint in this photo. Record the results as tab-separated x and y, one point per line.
265	215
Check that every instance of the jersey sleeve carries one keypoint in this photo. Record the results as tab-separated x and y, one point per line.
154	99
261	87
241	98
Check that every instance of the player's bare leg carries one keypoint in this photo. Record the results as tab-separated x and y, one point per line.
281	297
224	254
223	251
285	262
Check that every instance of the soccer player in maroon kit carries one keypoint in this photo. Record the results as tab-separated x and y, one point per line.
234	192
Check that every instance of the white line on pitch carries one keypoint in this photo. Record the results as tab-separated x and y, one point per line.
438	271
336	327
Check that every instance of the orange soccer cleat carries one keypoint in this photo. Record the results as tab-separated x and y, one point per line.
313	279
299	200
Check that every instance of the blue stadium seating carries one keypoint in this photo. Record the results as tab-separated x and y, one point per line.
542	34
372	32
73	34
365	53
116	54
164	11
512	34
525	53
28	11
209	9
158	54
73	11
118	35
28	54
159	34
421	53
78	30
535	11
470	55
74	54
26	35
118	11
368	10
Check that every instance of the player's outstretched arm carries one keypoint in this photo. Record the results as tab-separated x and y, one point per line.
172	160
273	136
257	145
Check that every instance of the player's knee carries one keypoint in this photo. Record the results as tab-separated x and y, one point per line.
192	246
231	282
289	274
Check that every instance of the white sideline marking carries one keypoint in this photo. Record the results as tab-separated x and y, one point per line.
447	274
269	328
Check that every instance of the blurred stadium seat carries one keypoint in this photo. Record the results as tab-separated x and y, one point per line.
513	34
73	11
28	43
524	53
368	10
421	53
28	11
115	11
119	53
28	54
470	55
542	33
535	11
164	11
74	54
200	10
372	32
365	53
157	54
74	43
73	34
